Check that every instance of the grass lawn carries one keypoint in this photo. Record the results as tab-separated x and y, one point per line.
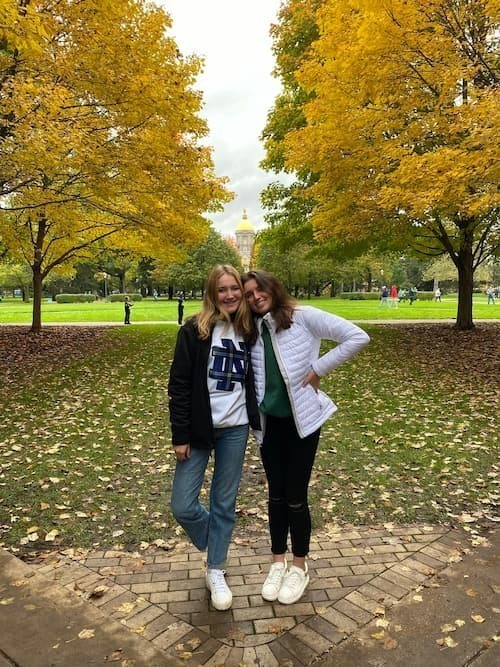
14	311
85	456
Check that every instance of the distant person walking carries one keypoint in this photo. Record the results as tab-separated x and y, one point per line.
180	310
437	294
128	306
412	295
490	293
394	296
384	297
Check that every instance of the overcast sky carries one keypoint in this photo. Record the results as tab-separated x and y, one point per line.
238	90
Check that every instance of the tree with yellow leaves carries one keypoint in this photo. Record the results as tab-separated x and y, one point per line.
99	134
288	207
402	128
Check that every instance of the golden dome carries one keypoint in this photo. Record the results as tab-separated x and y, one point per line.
244	225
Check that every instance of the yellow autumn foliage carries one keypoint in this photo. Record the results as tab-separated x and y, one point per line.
404	118
100	132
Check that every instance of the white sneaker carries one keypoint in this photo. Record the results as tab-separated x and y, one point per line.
272	584
294	584
222	598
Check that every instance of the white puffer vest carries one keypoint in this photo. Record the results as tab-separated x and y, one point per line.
296	350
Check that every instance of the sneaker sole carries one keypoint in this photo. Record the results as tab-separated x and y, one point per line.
269	598
221	607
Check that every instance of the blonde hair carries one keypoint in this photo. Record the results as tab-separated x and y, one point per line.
211	313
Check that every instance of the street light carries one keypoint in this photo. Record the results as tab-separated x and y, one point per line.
105	276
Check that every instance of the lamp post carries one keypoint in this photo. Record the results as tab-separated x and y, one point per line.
105	276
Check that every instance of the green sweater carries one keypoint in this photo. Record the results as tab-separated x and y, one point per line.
275	402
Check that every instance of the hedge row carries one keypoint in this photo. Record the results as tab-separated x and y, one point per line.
121	297
375	296
75	298
89	298
359	296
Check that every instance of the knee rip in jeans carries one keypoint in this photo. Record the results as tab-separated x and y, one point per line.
296	507
277	501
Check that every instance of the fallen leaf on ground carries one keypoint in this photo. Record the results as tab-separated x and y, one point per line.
390	642
447	641
86	633
447	627
471	593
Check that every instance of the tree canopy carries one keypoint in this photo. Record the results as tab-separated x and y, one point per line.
200	260
401	127
99	133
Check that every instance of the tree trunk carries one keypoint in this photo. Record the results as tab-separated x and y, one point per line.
465	284
36	322
369	280
36	267
121	280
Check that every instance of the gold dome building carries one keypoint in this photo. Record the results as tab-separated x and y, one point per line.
245	237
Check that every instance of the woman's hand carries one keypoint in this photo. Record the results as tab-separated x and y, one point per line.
182	452
312	379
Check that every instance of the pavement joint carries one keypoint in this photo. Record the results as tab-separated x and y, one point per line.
356	575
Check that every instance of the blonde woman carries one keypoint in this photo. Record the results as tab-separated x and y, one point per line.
212	403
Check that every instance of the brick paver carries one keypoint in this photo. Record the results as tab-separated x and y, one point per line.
356	574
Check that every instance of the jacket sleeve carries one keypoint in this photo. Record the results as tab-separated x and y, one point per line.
180	387
350	338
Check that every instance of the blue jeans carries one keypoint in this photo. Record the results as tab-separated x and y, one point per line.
211	529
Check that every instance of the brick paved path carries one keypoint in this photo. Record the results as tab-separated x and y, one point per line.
355	575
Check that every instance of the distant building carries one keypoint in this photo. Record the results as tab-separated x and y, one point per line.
245	237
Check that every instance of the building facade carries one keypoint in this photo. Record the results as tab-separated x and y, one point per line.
245	238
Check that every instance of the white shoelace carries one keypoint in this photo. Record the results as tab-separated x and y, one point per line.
275	575
295	579
217	582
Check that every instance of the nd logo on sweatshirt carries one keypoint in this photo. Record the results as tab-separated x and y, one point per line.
229	364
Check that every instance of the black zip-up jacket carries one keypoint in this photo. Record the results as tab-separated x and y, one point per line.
189	400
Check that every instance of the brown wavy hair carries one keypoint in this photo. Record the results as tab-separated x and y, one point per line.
211	313
282	304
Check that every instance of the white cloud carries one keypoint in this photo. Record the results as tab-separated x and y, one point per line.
238	90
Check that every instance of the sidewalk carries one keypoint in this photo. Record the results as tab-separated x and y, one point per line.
379	595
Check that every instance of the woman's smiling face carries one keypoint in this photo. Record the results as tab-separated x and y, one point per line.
258	299
229	294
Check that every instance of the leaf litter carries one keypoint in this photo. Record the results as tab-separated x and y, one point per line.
86	462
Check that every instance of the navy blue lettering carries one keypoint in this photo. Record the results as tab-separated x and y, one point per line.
229	364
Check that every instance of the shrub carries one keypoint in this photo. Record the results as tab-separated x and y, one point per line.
121	297
425	296
75	298
359	296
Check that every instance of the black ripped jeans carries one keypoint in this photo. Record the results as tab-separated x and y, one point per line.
288	460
